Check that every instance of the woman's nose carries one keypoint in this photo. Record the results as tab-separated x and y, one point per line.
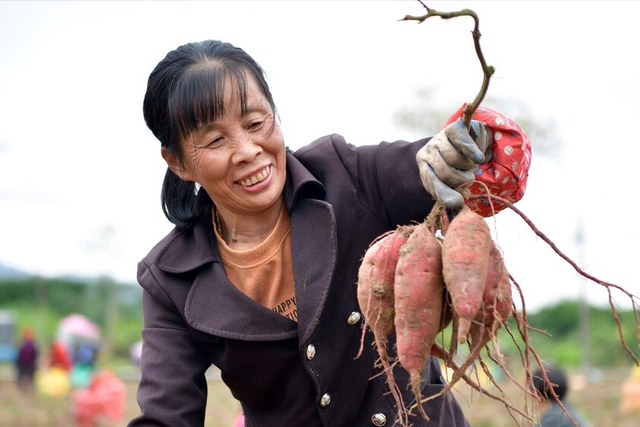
247	149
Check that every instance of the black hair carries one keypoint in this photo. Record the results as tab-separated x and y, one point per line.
184	91
557	379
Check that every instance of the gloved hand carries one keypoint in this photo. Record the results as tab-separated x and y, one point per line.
451	158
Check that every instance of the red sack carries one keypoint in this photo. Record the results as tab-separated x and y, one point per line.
105	399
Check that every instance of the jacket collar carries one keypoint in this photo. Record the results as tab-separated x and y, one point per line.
300	183
189	249
313	241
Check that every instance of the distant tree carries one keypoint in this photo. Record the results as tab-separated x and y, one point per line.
560	339
558	320
42	302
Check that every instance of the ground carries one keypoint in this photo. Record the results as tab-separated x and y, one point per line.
599	401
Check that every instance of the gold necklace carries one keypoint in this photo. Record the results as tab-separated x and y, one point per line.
217	220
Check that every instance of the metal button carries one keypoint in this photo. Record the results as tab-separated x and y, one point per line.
354	318
379	419
311	351
325	400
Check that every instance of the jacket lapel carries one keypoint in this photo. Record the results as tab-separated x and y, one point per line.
217	307
313	244
313	248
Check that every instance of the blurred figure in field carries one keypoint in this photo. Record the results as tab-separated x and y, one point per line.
630	402
27	360
53	380
551	412
135	353
59	357
84	361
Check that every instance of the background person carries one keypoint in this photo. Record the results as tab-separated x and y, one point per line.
551	413
59	356
84	363
630	396
27	360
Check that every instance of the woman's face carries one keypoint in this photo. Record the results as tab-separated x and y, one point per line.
239	159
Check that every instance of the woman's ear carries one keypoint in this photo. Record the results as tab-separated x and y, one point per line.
175	164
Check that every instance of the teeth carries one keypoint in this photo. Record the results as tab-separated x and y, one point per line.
256	178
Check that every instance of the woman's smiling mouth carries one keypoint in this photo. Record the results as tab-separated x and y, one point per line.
261	176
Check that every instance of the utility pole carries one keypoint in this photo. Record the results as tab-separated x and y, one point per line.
110	315
583	304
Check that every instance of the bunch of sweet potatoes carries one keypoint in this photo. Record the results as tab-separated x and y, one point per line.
415	284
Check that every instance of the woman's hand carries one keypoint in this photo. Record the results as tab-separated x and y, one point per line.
450	159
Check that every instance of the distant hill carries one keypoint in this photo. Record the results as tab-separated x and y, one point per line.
10	273
7	272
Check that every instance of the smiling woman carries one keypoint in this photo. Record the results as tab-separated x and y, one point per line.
259	275
239	160
217	125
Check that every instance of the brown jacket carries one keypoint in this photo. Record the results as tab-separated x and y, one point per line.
288	374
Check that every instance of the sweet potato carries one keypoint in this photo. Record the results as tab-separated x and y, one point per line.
465	262
497	303
376	277
375	281
419	289
494	311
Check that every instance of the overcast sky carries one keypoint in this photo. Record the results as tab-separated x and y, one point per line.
80	174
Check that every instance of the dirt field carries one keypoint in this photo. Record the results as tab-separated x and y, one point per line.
600	403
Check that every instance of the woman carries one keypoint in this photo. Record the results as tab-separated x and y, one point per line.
259	275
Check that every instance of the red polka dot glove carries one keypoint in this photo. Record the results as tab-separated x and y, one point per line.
506	171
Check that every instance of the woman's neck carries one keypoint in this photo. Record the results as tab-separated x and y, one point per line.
242	232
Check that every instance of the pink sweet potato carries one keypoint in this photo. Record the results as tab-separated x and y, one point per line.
376	298
496	306
465	262
376	281
497	303
419	289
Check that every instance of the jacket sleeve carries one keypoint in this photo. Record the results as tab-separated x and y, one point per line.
387	180
384	177
173	389
505	175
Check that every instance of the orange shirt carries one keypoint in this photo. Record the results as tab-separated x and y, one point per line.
265	273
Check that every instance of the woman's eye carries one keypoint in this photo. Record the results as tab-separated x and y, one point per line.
215	141
255	125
